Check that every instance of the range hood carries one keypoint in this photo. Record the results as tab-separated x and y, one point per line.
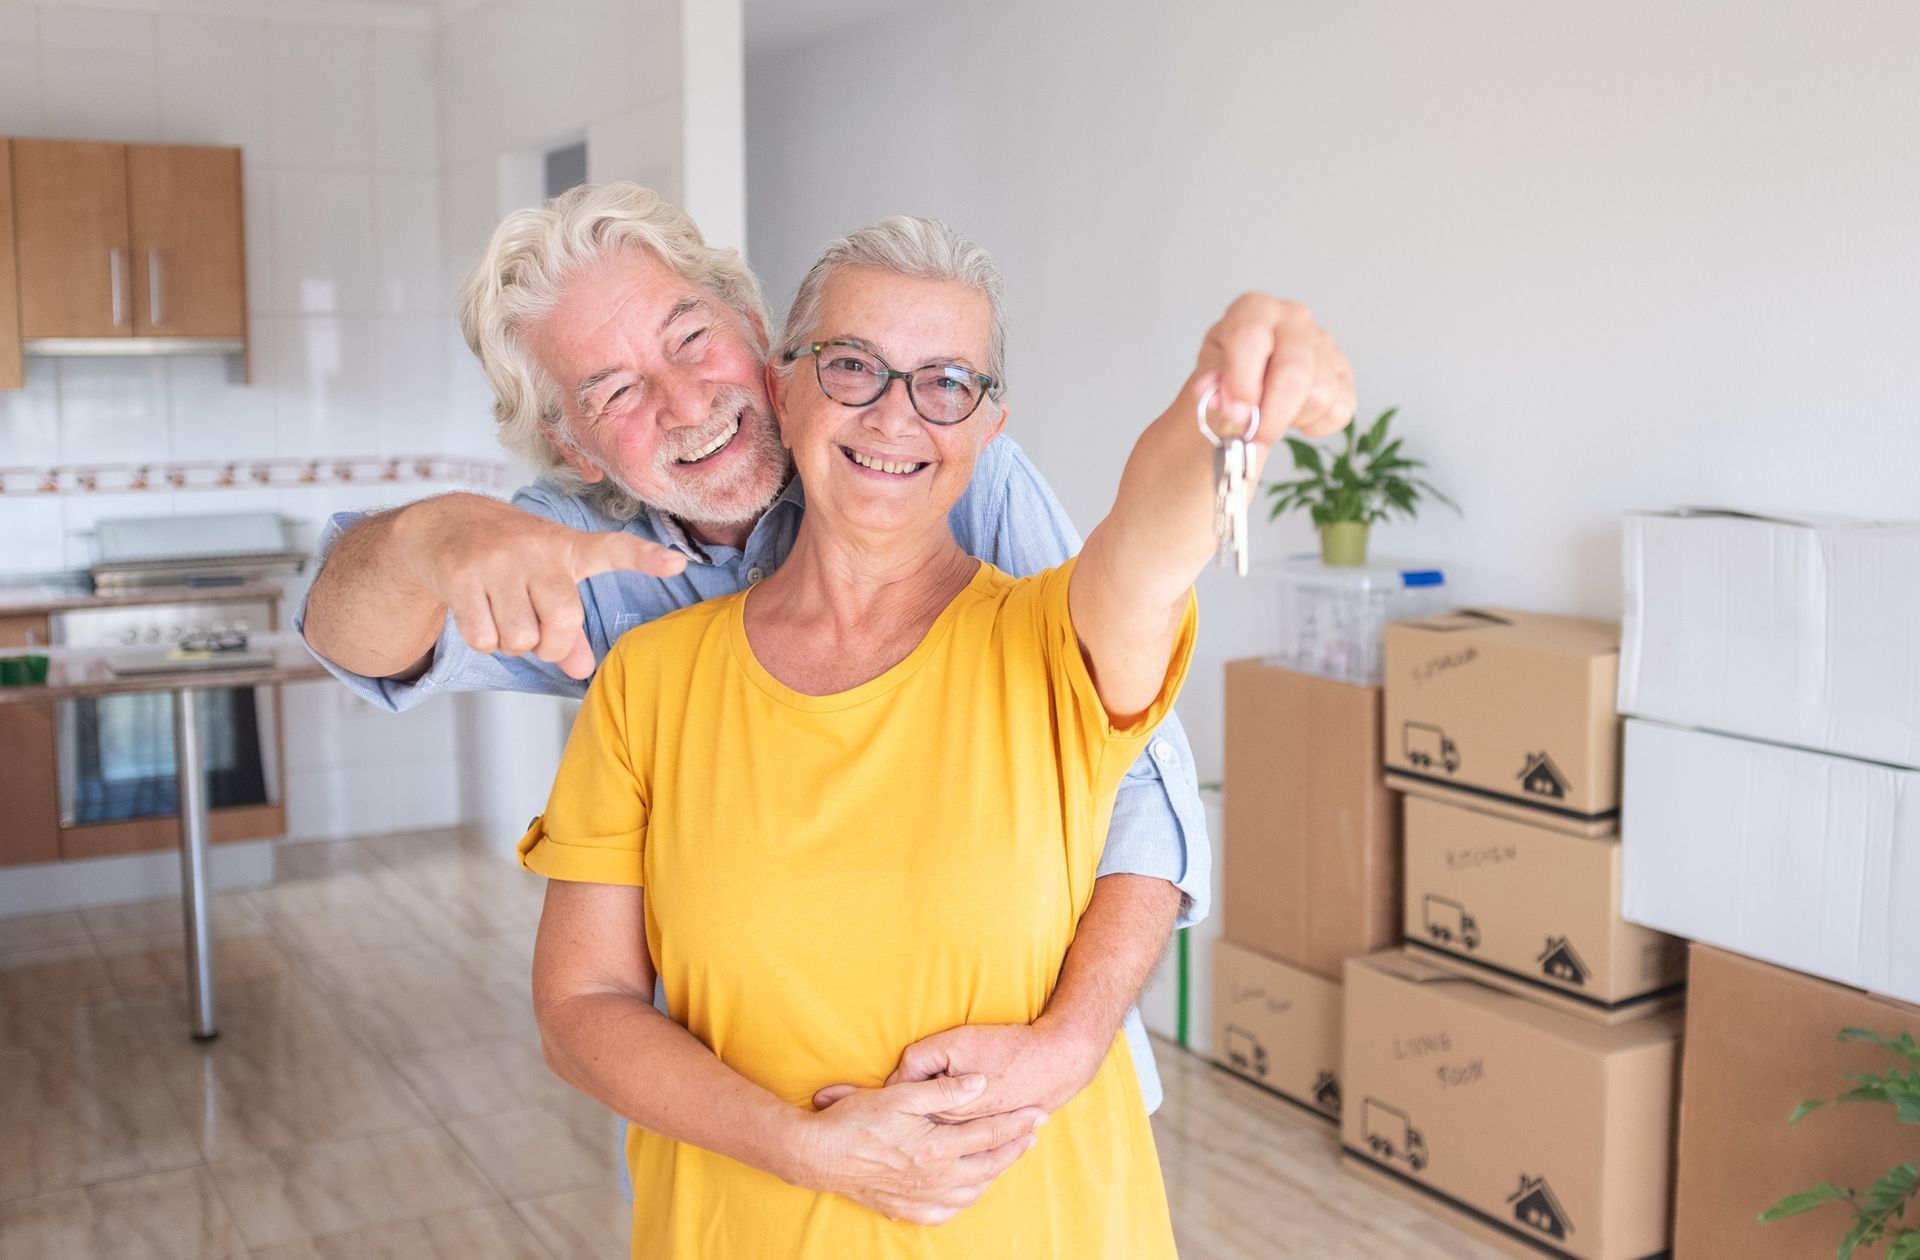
128	347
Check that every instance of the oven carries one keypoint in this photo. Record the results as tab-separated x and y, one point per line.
115	753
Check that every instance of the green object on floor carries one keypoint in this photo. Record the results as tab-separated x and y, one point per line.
1180	1022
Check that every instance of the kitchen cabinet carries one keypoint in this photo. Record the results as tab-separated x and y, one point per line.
71	239
189	268
12	369
143	244
29	779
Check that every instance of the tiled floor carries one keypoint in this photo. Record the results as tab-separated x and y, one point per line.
377	1090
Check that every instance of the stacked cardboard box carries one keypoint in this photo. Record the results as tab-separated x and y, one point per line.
1774	757
1311	853
1772	770
1515	1067
1760	1041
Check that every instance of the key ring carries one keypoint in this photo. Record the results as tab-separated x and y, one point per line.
1206	430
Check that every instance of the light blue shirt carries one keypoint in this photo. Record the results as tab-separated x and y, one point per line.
1007	517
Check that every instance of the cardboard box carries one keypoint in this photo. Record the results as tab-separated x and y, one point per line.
1509	711
1797	630
1552	1131
1534	912
1761	1041
1278	1026
1799	858
1311	844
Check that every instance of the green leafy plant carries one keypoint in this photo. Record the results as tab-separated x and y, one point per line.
1880	1210
1362	481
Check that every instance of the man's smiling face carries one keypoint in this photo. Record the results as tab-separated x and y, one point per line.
662	390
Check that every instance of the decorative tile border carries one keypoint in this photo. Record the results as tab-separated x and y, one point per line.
251	474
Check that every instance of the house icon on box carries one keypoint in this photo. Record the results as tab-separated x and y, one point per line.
1561	962
1535	1207
1326	1093
1541	777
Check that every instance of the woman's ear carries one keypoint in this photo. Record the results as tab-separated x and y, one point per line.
776	383
999	421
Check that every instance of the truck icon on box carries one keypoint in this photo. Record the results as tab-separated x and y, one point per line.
1390	1135
1449	923
1428	746
1245	1052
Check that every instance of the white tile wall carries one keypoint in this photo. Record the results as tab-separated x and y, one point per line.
321	89
98	74
213	77
20	111
405	126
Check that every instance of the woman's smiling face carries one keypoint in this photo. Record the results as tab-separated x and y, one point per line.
881	467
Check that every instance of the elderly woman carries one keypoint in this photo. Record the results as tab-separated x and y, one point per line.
865	800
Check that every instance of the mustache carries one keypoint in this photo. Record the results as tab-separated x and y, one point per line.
729	402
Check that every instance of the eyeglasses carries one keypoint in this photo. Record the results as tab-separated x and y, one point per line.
941	393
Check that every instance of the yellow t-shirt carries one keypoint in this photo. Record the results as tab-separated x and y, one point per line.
831	878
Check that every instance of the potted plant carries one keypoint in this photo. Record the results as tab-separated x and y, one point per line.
1879	1211
1346	489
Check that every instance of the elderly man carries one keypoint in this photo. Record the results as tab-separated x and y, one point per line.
627	358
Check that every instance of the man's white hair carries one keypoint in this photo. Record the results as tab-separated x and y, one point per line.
926	249
532	256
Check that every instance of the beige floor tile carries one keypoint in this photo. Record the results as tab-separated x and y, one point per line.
477	892
243	952
592	1224
33	975
484	1079
541	1151
78	1111
285	1072
161	1216
339	1187
490	1233
425	998
164	917
343	919
40	931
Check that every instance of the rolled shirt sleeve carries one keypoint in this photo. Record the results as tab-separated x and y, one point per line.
1159	827
455	666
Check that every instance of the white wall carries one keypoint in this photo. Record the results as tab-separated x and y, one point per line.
1603	256
349	310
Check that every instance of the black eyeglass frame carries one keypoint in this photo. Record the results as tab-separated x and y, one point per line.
888	374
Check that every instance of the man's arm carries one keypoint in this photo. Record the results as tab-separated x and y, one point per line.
509	579
593	997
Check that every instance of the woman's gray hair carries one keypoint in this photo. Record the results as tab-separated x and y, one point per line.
532	256
926	249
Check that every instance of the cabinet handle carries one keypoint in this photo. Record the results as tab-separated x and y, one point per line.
153	286
116	260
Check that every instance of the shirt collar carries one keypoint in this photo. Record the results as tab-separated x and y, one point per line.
669	529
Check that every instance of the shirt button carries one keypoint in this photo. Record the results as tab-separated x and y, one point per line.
755	574
1162	751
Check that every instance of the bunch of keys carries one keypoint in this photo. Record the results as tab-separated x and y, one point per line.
1233	484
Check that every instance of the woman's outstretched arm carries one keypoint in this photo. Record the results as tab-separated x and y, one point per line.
1130	587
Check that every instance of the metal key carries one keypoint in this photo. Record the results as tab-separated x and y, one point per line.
1232	476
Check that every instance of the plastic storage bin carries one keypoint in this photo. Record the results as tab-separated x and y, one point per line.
1332	617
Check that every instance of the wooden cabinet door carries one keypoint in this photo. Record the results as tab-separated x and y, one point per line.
70	207
12	368
189	259
29	777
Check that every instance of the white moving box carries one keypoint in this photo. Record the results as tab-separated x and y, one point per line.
1798	858
1802	631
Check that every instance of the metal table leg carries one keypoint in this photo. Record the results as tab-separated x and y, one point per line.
193	861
